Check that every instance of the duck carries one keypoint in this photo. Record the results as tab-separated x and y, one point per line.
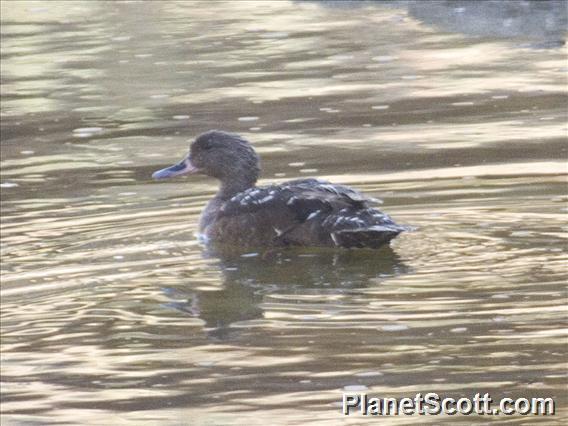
308	212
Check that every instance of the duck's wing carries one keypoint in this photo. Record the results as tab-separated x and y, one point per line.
340	191
297	199
301	212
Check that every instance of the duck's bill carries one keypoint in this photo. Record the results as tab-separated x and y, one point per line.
182	168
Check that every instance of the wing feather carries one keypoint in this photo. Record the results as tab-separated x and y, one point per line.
303	212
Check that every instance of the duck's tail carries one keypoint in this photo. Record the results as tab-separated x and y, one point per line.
372	237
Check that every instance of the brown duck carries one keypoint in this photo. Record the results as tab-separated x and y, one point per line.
302	212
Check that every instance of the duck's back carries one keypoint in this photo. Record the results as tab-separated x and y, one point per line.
305	212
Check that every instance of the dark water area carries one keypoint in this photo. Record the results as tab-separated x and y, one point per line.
451	112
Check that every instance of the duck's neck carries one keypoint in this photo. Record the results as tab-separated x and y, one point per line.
231	187
227	191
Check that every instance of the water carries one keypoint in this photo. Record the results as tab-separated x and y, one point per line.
112	311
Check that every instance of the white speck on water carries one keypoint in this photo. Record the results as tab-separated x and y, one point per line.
274	34
255	129
143	55
305	381
500	97
88	130
279	174
205	363
500	296
126	194
249	255
369	374
355	388
118	257
121	38
309	170
326	109
546	118
159	96
8	185
27	152
521	234
410	77
298	164
465	103
499	319
248	118
395	327
180	117
458	329
383	58
380	107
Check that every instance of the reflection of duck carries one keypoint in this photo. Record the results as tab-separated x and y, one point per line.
248	279
303	212
311	267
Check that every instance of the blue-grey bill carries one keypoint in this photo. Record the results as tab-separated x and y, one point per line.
181	168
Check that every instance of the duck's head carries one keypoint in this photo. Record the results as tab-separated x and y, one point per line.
224	156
